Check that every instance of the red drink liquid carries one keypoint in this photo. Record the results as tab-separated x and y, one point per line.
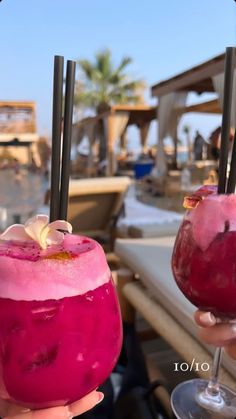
204	256
54	351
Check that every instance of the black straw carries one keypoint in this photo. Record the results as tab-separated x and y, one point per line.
67	131
56	136
232	173
225	130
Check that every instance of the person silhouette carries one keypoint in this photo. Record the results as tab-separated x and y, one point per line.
198	146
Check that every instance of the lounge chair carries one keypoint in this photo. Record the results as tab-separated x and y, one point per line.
142	220
157	297
94	206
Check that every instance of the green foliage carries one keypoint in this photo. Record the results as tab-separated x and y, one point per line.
101	84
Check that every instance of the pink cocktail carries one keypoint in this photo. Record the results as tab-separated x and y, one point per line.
60	325
204	267
204	256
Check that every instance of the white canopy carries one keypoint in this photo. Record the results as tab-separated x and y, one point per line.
218	82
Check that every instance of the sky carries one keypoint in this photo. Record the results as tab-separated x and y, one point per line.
163	37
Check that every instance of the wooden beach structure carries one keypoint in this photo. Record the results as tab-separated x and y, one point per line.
110	127
18	130
172	94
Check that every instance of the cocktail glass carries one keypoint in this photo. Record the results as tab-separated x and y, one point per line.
60	324
204	267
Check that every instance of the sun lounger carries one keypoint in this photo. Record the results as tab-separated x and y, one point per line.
94	206
141	220
95	201
161	303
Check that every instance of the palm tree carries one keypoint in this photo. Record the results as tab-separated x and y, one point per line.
102	84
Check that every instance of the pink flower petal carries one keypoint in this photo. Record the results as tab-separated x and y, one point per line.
60	225
15	232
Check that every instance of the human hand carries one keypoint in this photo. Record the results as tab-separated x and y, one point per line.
13	411
213	332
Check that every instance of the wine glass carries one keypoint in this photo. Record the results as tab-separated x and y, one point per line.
60	323
204	268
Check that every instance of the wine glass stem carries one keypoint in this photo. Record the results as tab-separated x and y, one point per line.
213	388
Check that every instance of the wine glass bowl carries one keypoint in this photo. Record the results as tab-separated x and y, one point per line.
203	260
207	277
204	268
53	351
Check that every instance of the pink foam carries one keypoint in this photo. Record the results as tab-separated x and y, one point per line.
29	273
213	215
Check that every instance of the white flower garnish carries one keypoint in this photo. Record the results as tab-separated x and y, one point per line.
39	230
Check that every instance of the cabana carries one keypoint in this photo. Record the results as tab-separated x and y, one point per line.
110	127
172	94
18	131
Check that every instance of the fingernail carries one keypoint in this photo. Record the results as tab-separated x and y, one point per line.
100	397
208	318
25	410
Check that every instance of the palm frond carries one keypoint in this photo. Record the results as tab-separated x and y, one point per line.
123	99
132	85
87	68
124	63
87	99
101	83
103	63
